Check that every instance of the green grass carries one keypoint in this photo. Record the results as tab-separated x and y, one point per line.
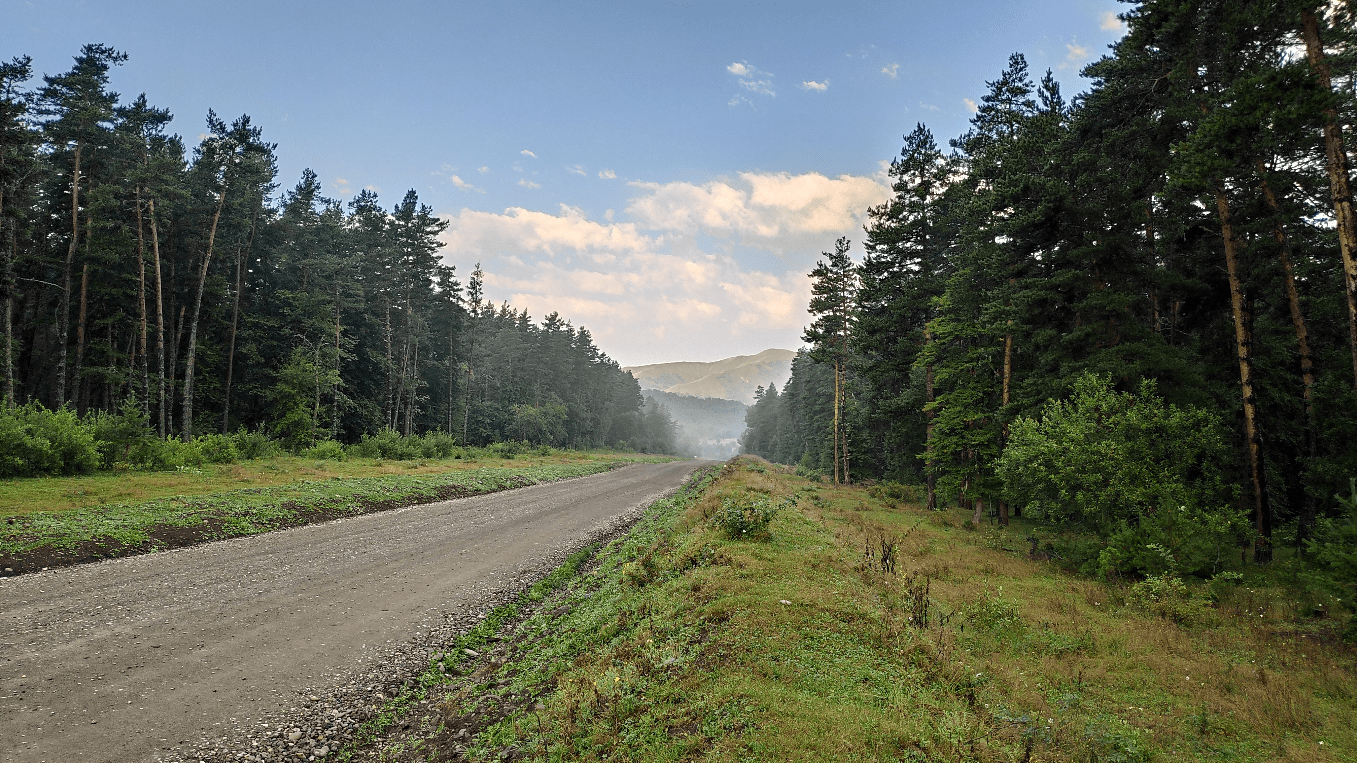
39	494
214	514
683	644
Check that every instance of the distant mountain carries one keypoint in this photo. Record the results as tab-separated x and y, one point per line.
711	427
733	378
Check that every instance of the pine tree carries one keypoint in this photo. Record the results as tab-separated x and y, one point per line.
833	298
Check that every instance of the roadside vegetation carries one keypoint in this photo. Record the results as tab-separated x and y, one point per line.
855	625
52	521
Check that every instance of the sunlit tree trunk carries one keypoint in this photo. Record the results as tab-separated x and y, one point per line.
64	332
241	257
187	414
141	307
1340	180
1262	513
159	318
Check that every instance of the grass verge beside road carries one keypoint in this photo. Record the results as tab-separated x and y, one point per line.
289	494
862	629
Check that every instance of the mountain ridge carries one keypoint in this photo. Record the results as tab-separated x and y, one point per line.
733	378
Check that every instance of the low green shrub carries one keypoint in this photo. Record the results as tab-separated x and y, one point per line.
256	444
327	450
36	441
1135	471
746	516
217	448
896	492
387	444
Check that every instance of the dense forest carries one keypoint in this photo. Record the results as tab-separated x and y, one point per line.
181	287
1135	309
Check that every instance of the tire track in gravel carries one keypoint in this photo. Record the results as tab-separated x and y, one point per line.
128	659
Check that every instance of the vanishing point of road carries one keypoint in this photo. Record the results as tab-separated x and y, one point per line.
125	659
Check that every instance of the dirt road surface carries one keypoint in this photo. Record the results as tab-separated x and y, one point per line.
127	659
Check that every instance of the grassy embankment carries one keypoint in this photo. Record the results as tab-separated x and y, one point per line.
48	521
683	644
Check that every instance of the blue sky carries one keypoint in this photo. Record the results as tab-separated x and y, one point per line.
662	173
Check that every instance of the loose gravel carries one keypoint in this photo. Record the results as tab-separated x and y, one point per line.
276	647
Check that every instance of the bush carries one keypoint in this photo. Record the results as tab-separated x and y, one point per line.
217	448
746	516
1135	471
387	444
895	492
507	449
1334	552
36	441
257	444
120	437
437	445
327	450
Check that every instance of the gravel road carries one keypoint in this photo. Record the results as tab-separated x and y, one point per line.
271	642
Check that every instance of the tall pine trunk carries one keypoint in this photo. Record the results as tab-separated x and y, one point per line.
1262	511
930	478
334	417
235	322
141	308
159	318
1340	180
64	332
11	253
836	422
1307	366
192	356
79	387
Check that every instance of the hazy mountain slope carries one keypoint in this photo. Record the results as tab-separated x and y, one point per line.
733	378
711	426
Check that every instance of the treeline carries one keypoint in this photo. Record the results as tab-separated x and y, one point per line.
181	282
1187	221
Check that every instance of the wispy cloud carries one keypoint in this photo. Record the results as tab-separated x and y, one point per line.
342	187
970	105
752	80
819	87
577	169
462	184
526	183
1075	55
526	152
1110	23
607	174
891	70
928	106
483	170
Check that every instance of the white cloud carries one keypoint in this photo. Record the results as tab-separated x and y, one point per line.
816	86
928	106
775	211
1075	55
607	174
970	105
891	70
752	80
483	170
526	183
577	169
648	285
342	187
526	152
462	184
1110	22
